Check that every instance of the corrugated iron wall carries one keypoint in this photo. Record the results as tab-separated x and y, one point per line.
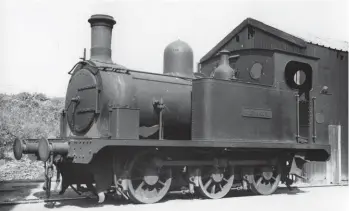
315	172
333	72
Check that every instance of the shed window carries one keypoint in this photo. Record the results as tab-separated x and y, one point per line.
250	32
237	38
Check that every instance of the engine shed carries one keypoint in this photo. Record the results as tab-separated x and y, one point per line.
329	86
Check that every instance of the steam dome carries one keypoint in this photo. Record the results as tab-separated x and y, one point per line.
178	59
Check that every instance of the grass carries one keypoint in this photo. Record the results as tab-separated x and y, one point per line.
24	116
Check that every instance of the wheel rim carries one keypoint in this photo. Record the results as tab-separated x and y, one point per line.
266	180
215	183
147	182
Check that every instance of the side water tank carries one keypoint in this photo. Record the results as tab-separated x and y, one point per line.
178	59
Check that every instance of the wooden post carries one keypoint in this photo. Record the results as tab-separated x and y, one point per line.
333	166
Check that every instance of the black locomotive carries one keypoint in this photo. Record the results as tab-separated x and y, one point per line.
141	135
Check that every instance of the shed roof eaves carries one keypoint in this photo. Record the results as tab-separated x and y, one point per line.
257	24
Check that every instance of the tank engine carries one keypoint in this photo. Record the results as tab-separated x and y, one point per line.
142	134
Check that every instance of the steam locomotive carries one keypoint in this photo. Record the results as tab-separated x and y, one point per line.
141	135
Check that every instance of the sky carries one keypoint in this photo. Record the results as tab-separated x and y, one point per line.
41	40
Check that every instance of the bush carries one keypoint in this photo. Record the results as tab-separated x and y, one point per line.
26	116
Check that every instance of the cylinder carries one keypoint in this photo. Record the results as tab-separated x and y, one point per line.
178	59
101	34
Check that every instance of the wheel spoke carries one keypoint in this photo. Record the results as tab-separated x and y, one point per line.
213	189
208	183
148	183
259	181
220	187
139	188
267	183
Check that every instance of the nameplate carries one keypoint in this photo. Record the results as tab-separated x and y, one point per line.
257	113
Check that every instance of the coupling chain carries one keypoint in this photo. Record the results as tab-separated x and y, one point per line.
49	166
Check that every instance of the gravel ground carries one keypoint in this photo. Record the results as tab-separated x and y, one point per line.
25	169
320	198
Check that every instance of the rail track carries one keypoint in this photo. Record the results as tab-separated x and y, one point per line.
8	188
33	201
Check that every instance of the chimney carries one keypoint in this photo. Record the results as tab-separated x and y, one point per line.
101	33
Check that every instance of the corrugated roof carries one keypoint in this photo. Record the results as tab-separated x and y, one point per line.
296	40
326	42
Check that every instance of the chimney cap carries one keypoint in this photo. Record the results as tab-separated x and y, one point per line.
101	19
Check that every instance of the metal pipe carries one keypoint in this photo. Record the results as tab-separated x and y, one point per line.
161	123
110	134
32	201
297	117
251	162
161	136
213	162
185	163
314	119
84	55
101	34
63	128
179	192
